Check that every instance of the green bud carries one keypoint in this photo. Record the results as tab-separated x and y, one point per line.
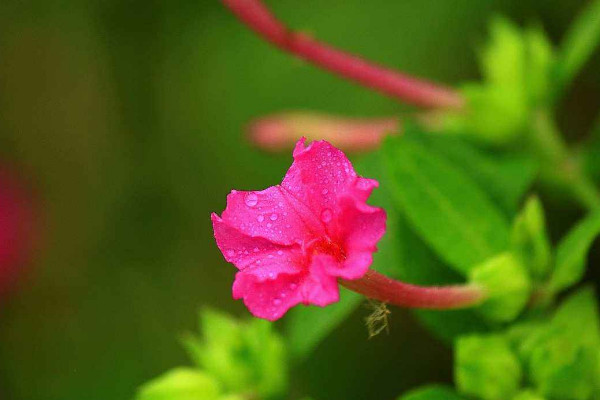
246	357
181	384
516	65
530	239
507	284
486	367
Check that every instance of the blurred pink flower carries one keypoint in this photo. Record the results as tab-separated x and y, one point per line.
280	131
291	242
16	223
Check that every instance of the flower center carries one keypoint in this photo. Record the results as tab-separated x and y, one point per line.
327	246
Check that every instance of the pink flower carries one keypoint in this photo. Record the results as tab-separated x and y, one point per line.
291	242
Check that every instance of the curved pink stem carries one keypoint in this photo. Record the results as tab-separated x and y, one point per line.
379	287
392	83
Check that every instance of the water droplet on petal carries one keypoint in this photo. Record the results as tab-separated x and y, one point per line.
293	286
260	218
279	252
269	225
251	199
271	275
326	215
274	217
231	253
324	192
276	302
256	249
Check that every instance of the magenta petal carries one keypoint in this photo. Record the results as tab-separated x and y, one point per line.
273	214
293	241
319	174
269	299
320	287
254	252
360	226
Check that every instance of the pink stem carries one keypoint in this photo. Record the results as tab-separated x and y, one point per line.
379	287
280	131
392	83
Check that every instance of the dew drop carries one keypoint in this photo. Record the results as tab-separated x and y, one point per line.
324	192
260	218
276	302
326	215
251	199
273	217
231	253
279	252
271	275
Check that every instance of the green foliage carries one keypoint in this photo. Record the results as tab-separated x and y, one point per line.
244	357
182	384
530	239
571	252
433	392
561	354
528	395
508	286
448	210
579	43
234	360
486	367
504	177
517	67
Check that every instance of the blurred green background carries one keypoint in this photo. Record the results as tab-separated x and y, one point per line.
128	116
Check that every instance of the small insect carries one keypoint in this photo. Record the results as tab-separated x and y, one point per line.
378	320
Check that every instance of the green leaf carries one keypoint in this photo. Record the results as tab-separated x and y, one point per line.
530	239
571	253
528	395
306	327
449	211
486	367
505	178
508	286
578	316
579	43
181	384
433	392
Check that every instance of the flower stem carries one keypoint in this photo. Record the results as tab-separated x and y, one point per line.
387	81
379	287
558	164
